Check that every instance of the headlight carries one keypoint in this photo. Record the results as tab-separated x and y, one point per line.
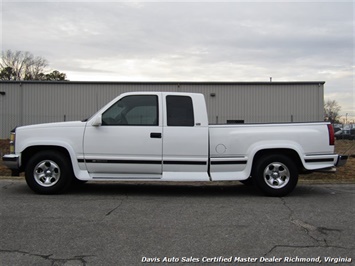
12	142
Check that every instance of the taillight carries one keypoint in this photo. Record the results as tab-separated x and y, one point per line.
12	142
331	134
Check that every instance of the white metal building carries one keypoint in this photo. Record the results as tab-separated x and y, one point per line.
31	102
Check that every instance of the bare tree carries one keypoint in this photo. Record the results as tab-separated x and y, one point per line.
25	66
36	68
331	111
21	65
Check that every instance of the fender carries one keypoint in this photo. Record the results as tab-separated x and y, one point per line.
308	161
267	145
67	135
79	173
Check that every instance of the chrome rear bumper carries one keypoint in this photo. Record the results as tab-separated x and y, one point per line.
341	160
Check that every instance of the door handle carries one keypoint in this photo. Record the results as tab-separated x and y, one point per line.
155	135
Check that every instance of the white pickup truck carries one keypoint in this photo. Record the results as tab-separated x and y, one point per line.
165	136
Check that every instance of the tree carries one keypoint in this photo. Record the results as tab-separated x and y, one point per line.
331	111
25	66
56	76
7	73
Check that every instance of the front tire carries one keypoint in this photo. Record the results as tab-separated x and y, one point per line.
275	175
49	172
247	182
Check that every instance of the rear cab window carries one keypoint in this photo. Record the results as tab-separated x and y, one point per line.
180	111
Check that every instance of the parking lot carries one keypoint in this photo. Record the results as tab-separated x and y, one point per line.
125	224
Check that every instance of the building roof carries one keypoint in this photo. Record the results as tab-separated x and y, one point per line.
169	82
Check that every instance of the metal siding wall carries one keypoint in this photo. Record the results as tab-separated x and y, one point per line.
57	102
10	108
32	103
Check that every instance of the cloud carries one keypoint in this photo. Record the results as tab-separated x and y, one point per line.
236	41
222	30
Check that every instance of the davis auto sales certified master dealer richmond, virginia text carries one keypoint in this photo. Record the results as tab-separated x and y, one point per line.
236	259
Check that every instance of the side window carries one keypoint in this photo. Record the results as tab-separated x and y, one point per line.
180	111
135	110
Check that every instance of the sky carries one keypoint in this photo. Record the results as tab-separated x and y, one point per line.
190	41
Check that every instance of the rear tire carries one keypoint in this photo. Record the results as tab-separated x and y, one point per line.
49	172
275	175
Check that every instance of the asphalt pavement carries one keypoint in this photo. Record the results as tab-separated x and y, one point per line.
147	224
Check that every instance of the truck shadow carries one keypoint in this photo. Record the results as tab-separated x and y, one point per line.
222	189
184	189
187	189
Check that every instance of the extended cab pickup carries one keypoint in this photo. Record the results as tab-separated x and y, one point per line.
165	136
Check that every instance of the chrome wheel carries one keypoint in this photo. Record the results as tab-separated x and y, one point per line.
46	173
49	172
276	175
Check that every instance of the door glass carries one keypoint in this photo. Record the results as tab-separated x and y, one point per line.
142	115
135	110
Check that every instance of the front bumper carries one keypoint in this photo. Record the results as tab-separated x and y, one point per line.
341	160
12	161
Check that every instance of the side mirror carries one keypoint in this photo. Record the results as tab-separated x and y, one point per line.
97	121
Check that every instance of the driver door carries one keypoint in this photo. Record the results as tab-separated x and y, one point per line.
128	144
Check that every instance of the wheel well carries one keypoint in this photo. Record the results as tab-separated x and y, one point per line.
293	155
30	151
